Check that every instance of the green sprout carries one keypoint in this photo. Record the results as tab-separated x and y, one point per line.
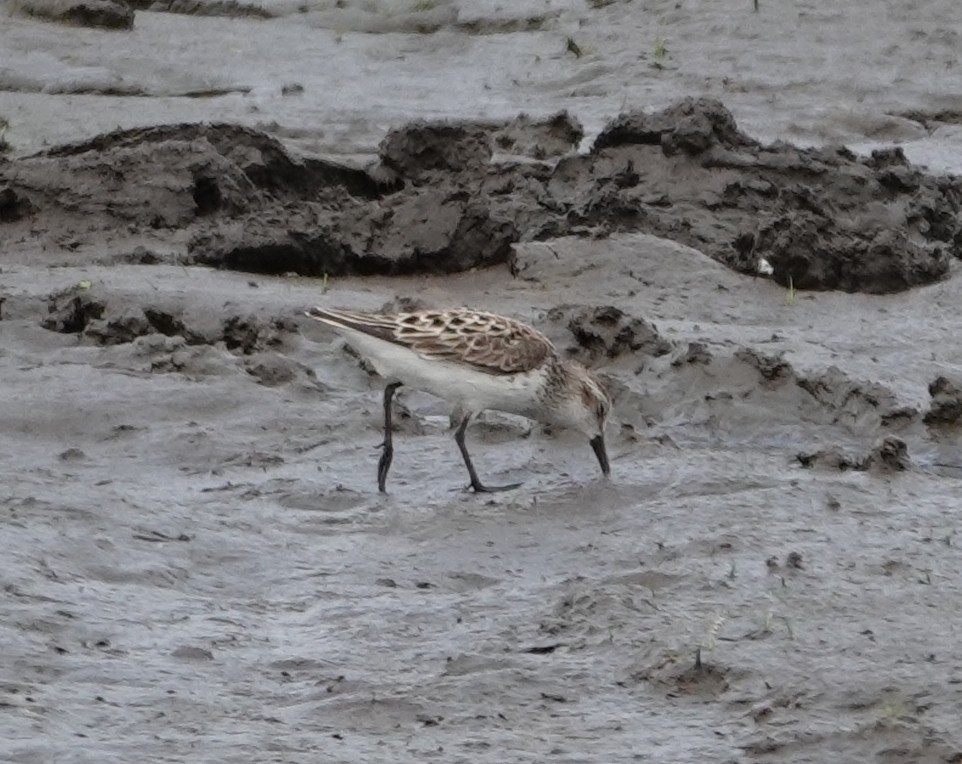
790	294
661	48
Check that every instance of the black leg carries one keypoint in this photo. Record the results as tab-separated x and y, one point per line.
387	453
476	484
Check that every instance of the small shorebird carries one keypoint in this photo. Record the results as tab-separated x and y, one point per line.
476	361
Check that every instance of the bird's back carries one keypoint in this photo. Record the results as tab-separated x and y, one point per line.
474	359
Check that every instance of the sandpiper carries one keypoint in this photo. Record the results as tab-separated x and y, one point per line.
476	361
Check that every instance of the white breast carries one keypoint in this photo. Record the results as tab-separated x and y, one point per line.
463	386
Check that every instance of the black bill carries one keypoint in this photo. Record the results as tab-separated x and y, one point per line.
598	445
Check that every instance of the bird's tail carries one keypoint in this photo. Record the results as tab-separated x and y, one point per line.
374	324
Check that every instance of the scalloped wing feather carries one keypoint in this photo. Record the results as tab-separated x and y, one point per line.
485	341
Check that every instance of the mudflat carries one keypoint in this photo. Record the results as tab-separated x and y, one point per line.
746	221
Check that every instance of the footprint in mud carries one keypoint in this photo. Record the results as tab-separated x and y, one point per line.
590	609
335	505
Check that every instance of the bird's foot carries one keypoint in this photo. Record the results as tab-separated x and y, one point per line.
479	487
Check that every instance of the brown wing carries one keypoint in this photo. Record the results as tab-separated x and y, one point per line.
488	342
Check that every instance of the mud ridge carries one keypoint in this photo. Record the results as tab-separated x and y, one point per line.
946	406
749	394
99	14
438	202
107	321
889	456
604	333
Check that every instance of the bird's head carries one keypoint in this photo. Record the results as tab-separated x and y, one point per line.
585	406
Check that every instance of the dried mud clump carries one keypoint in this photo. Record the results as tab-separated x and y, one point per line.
273	369
229	8
70	311
766	394
539	139
437	203
82	310
856	400
831	458
946	406
888	456
249	334
421	211
13	206
122	324
118	329
608	332
420	150
861	405
149	179
772	368
823	218
690	126
102	14
805	247
165	355
696	354
403	304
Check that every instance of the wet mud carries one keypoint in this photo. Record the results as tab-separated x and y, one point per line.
197	564
193	515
